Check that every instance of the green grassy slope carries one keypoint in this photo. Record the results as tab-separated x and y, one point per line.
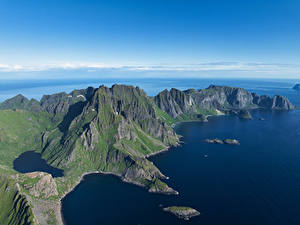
14	208
20	131
117	128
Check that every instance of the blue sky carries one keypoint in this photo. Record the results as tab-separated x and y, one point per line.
249	38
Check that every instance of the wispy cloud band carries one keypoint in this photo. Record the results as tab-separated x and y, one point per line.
205	69
210	66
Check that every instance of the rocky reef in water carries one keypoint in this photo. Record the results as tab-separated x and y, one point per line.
182	212
221	142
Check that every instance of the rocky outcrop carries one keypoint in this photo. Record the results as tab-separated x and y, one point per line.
159	187
45	187
214	141
277	102
296	87
182	212
241	113
231	141
282	103
225	141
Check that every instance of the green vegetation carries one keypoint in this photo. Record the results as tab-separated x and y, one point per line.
110	130
14	208
20	131
165	116
182	212
117	128
51	217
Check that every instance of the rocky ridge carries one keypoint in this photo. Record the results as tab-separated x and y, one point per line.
231	100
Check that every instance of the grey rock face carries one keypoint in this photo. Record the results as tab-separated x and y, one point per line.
234	97
59	103
277	102
45	187
223	98
167	103
280	102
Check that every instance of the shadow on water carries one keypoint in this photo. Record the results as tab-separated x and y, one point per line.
31	161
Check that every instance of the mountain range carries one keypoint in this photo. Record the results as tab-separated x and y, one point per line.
109	130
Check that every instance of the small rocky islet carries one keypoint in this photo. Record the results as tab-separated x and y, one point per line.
182	212
221	142
297	87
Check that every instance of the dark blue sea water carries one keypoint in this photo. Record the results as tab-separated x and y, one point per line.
257	182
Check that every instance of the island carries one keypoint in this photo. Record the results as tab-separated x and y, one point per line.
231	141
182	212
225	141
110	130
297	87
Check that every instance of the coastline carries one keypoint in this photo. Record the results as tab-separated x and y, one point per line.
107	173
81	178
122	179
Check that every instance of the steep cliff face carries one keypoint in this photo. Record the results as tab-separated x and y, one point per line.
221	98
60	103
56	104
116	129
277	102
174	102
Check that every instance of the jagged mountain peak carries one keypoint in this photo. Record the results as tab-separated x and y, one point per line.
114	131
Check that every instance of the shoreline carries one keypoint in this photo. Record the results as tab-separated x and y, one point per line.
81	178
75	185
114	174
108	173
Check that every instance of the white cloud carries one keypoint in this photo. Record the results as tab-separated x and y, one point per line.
45	67
257	68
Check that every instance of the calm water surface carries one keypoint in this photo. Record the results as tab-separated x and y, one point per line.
31	161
